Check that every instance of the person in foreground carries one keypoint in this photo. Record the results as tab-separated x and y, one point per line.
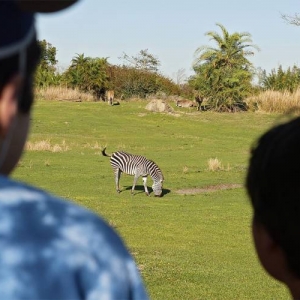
273	184
50	247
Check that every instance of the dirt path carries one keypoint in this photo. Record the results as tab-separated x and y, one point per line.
208	189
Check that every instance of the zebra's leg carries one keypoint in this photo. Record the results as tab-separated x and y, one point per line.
145	185
117	179
134	183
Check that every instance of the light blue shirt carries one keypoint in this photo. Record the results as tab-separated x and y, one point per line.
51	248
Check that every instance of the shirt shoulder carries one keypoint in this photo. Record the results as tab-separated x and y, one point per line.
53	238
50	212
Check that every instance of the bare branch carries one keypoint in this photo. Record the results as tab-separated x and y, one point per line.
293	20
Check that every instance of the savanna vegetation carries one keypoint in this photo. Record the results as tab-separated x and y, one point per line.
223	76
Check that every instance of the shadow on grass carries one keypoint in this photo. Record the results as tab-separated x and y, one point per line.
139	189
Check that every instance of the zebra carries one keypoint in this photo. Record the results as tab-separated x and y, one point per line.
136	165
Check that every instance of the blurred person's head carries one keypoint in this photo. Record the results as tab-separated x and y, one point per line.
16	98
273	184
18	60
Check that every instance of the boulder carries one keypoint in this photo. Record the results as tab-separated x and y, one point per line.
159	105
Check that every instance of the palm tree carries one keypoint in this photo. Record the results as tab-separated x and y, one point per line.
223	73
76	73
79	60
87	73
231	49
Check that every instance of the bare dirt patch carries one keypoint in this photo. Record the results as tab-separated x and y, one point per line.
209	189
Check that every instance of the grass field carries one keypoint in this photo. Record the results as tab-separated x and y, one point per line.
187	245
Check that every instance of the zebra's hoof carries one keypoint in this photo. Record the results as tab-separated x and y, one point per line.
147	194
118	191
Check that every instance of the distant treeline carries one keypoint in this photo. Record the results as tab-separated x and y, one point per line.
96	75
223	74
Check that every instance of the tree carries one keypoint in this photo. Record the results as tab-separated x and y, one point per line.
48	54
224	74
130	82
142	61
88	74
293	20
180	77
77	75
46	73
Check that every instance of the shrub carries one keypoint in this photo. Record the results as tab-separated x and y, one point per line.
274	101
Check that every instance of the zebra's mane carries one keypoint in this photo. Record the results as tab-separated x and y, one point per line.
157	168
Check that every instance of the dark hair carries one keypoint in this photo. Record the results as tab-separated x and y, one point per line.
11	65
273	184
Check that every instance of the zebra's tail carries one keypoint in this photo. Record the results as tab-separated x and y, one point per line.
103	152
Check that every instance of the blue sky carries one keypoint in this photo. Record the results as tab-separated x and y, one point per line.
170	30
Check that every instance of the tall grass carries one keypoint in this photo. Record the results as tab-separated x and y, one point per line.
62	93
275	101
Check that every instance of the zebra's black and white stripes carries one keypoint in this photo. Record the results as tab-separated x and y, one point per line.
137	166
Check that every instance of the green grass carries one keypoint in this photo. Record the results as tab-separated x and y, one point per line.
187	246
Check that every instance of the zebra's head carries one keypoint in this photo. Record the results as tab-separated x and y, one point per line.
157	188
157	177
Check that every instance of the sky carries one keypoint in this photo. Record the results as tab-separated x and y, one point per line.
170	30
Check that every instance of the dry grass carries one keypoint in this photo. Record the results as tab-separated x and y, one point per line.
275	101
38	146
62	93
214	164
46	146
95	146
185	169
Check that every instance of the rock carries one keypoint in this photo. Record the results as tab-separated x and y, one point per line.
158	105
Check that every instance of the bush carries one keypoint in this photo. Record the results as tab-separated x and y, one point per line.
274	101
130	82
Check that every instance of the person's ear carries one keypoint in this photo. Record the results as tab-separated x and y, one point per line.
9	104
269	252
